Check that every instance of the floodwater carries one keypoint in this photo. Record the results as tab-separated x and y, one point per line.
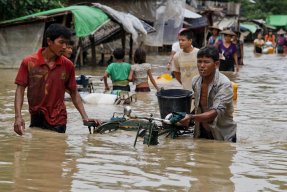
77	161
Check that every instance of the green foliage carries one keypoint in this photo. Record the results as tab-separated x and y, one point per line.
11	9
263	8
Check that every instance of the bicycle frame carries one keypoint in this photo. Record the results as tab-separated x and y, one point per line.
145	126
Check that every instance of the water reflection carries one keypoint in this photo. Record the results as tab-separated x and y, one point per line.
212	174
185	166
36	162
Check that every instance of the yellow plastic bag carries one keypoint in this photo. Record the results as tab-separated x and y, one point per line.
166	76
235	87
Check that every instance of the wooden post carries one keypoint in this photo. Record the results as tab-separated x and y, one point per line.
94	62
124	40
131	49
102	59
80	53
65	19
77	56
81	58
205	36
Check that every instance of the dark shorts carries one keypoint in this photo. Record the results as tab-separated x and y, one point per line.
123	88
38	120
142	89
239	60
208	135
172	74
205	134
258	49
280	49
226	65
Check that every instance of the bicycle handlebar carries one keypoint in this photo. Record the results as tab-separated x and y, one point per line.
90	124
152	119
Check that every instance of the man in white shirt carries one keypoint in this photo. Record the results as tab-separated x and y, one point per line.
184	63
174	49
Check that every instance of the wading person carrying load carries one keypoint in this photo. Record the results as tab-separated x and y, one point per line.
228	53
281	41
118	72
47	74
141	71
258	44
213	94
215	39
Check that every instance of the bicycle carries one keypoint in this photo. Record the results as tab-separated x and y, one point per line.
147	127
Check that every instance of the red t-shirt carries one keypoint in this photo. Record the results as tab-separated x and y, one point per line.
270	38
46	87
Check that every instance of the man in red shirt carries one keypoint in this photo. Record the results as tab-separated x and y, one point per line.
47	75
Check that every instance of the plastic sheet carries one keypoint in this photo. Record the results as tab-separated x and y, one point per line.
18	41
168	20
130	23
165	15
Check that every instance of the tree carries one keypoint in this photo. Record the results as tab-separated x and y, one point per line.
11	9
262	8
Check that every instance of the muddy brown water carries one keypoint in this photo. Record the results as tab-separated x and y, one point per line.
77	161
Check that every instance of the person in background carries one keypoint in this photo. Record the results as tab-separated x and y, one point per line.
239	45
281	41
47	74
174	49
69	49
228	53
215	39
270	38
258	43
184	62
118	72
141	71
285	45
213	103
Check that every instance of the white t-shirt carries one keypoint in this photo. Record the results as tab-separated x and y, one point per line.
186	64
140	72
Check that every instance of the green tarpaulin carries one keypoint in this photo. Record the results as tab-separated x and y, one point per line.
277	20
87	19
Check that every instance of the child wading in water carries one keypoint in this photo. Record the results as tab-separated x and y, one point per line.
140	72
118	72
